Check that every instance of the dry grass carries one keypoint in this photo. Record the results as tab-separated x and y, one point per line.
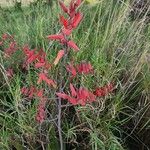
11	2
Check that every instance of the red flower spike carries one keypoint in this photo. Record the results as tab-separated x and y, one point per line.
85	68
5	36
70	68
76	20
31	59
73	91
64	21
72	9
78	2
62	95
64	8
66	31
11	49
39	65
24	90
55	37
41	114
103	91
32	91
59	56
72	100
73	45
43	77
40	93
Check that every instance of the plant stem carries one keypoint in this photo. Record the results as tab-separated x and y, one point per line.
59	124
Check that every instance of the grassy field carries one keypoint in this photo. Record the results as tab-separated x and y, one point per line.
118	48
7	3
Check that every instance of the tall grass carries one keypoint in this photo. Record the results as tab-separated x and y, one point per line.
119	51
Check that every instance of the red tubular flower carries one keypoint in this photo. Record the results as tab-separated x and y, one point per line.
78	2
43	77
64	21
28	91
59	56
5	36
24	90
41	114
64	8
31	59
81	96
103	91
39	64
76	20
31	91
70	68
85	96
30	55
62	95
72	9
73	91
66	31
85	68
11	49
55	37
39	93
73	45
67	97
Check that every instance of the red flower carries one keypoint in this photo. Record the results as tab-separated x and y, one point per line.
72	9
30	55
85	96
24	90
66	31
31	91
28	91
43	77
39	93
76	20
64	8
64	21
81	96
11	49
5	36
41	114
78	2
70	68
41	60
55	37
73	45
62	95
103	91
73	91
59	56
85	68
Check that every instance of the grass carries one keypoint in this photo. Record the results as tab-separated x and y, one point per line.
117	47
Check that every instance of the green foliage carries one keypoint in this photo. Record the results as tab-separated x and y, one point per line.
119	51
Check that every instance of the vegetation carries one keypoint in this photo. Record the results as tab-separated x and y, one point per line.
118	48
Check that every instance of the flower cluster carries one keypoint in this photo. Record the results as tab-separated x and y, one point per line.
38	60
7	39
78	96
69	24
